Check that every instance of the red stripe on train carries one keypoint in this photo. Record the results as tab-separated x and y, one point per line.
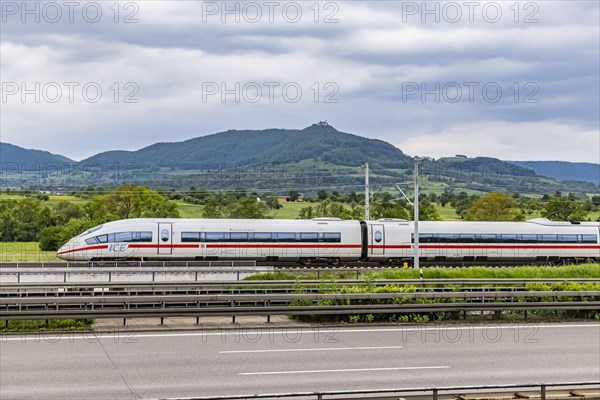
104	246
428	246
283	246
164	246
213	246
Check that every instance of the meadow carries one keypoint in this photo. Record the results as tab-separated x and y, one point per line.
25	251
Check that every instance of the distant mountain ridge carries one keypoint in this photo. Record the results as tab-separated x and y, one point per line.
244	147
582	171
280	160
28	158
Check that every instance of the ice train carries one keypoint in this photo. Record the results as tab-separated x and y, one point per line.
333	240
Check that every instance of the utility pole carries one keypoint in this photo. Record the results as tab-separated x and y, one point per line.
416	216
366	191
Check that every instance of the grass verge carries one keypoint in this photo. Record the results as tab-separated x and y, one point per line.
50	325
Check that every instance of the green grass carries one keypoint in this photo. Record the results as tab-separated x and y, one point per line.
187	210
25	251
591	270
594	216
53	325
289	210
447	213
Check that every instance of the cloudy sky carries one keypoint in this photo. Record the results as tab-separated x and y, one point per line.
512	80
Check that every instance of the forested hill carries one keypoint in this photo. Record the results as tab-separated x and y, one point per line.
247	147
280	160
28	158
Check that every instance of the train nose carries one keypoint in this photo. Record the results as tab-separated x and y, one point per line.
66	251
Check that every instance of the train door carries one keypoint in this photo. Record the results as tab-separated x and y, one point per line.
377	244
165	238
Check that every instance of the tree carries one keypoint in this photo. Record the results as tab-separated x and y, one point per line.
65	211
212	210
561	208
247	207
293	195
53	237
306	213
461	203
7	220
445	198
494	206
130	201
427	211
24	217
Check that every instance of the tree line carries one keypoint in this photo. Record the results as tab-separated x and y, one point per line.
29	219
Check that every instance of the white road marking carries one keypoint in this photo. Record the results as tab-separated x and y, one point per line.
320	371
311	349
132	335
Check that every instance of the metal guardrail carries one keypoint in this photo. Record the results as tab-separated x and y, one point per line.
434	392
117	264
198	273
91	306
263	289
109	273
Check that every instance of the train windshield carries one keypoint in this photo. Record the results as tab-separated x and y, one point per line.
94	229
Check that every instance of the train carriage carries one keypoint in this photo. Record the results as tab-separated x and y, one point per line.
306	241
533	240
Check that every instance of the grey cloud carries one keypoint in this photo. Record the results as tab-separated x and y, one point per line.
369	54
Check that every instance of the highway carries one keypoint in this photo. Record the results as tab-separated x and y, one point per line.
242	361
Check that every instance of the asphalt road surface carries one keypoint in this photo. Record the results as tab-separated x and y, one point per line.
223	362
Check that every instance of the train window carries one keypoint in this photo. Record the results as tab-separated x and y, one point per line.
378	236
548	238
91	230
528	238
425	237
214	236
466	238
91	240
508	238
144	237
286	237
589	239
309	237
332	237
239	236
446	238
487	238
262	236
190	236
568	238
123	237
102	238
164	235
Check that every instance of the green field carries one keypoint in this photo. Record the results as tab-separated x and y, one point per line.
187	210
24	251
289	210
447	213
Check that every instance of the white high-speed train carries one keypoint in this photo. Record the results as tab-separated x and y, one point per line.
334	240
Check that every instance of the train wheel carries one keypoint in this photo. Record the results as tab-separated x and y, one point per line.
333	261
